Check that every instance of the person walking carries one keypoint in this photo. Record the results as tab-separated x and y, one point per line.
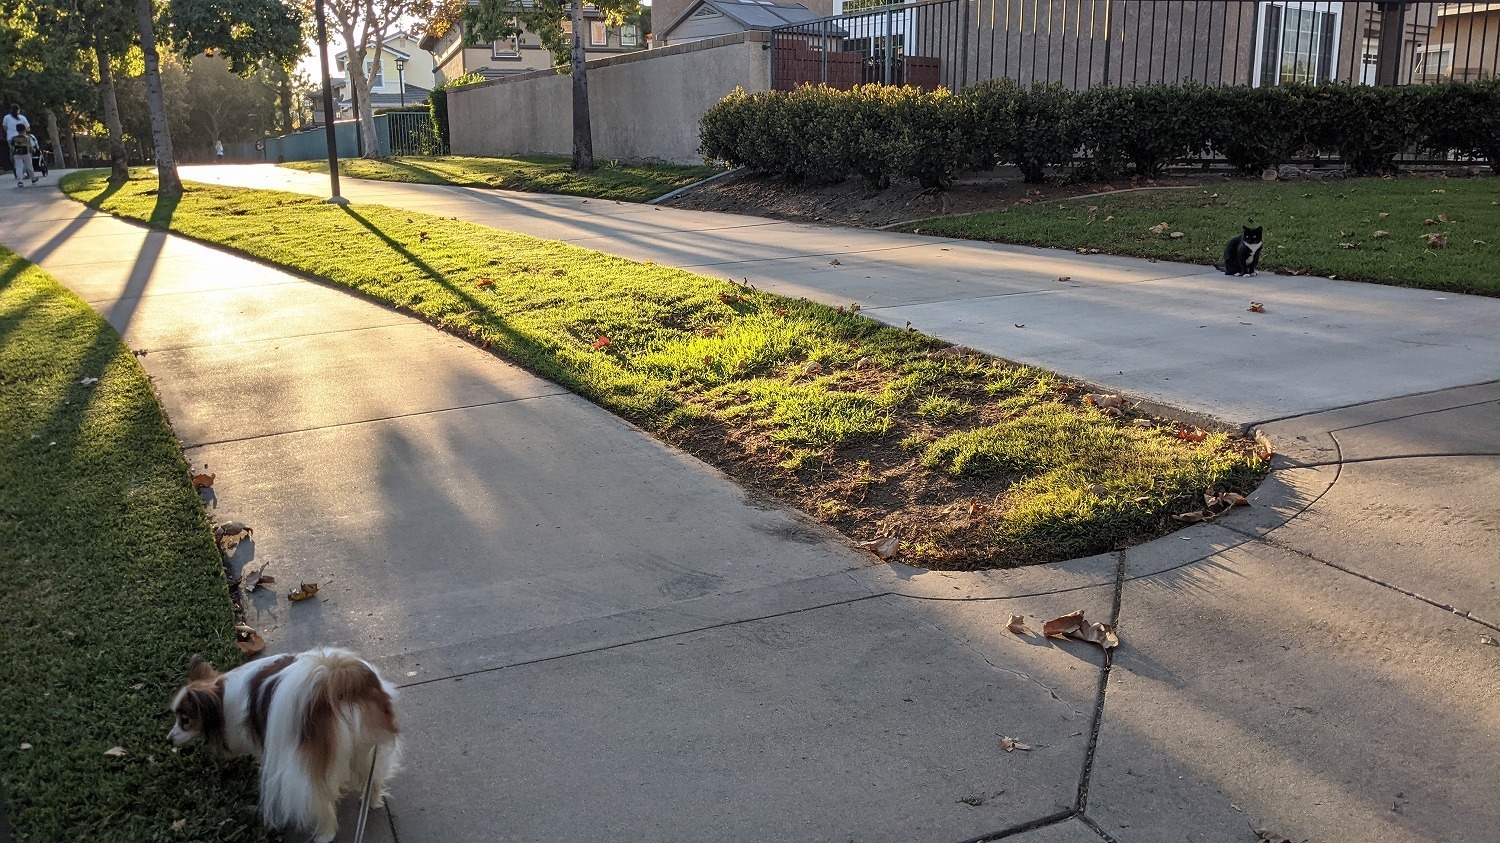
21	148
218	152
13	120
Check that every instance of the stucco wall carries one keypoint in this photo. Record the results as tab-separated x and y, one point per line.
643	106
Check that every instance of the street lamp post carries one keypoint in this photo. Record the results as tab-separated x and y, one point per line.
401	78
328	115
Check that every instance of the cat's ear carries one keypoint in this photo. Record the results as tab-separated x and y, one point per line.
1256	230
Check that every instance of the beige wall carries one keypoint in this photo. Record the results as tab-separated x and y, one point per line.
642	106
1473	35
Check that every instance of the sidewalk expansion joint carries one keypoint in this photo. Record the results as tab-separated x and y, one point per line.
1303	415
1419	456
197	445
1098	722
1096	828
1022	828
841	253
647	640
1437	604
279	338
233	289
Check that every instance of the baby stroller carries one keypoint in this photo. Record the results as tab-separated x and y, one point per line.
39	158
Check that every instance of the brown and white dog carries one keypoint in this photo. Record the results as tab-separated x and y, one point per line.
313	719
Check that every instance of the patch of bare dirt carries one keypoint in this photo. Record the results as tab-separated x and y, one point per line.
852	203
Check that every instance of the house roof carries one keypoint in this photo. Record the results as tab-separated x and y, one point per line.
385	47
751	14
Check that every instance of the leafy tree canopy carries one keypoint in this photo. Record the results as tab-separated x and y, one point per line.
495	19
246	33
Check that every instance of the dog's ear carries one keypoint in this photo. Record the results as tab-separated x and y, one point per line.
199	669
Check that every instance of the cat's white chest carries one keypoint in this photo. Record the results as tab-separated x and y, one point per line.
1254	248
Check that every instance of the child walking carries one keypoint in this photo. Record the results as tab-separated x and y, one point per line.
21	148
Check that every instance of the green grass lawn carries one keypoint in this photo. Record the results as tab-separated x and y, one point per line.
1311	228
532	173
971	461
109	582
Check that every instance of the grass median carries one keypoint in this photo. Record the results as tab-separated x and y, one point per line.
969	461
533	174
1376	230
109	582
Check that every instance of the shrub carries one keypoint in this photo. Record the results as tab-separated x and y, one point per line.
993	108
1256	128
925	134
437	103
1462	117
1149	126
1046	134
1366	126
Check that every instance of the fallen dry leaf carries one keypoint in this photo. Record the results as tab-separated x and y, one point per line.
89	381
1487	640
115	752
421	235
834	262
601	342
1063	279
1011	744
305	591
1098	490
1098	633
885	548
1348	246
1190	517
1017	625
1144	423
812	367
1160	228
203	481
1429	222
1176	235
1060	626
1192	435
1382	233
863	363
255	576
485	282
231	529
25	746
780	311
1104	402
1233	499
252	644
1383	215
178	825
1437	240
1256	307
1442	217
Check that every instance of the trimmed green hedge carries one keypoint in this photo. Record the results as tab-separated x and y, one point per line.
817	134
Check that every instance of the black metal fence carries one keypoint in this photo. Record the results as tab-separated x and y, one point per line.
1086	43
412	133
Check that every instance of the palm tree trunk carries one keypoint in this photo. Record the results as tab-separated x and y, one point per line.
56	136
583	134
167	181
119	163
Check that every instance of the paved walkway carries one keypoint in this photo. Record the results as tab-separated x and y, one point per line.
1174	334
601	638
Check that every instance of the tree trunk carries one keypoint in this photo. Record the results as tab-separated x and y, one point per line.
167	181
119	159
72	140
284	98
367	114
57	148
583	134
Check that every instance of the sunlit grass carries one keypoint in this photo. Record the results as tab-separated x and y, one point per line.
1362	229
628	182
793	395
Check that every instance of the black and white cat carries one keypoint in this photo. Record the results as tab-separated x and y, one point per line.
1242	254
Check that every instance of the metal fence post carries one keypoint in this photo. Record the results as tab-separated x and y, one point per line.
963	49
1388	61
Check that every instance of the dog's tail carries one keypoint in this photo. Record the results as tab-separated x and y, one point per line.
332	715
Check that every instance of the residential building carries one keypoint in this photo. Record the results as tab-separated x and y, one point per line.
454	54
702	19
1463	46
404	76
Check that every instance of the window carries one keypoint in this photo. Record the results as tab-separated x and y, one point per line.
378	79
630	36
1298	43
507	48
598	34
1434	62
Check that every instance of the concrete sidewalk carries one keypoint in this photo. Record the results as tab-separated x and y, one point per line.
601	638
1174	334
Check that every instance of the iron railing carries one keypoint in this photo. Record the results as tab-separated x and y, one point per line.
412	133
1086	43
